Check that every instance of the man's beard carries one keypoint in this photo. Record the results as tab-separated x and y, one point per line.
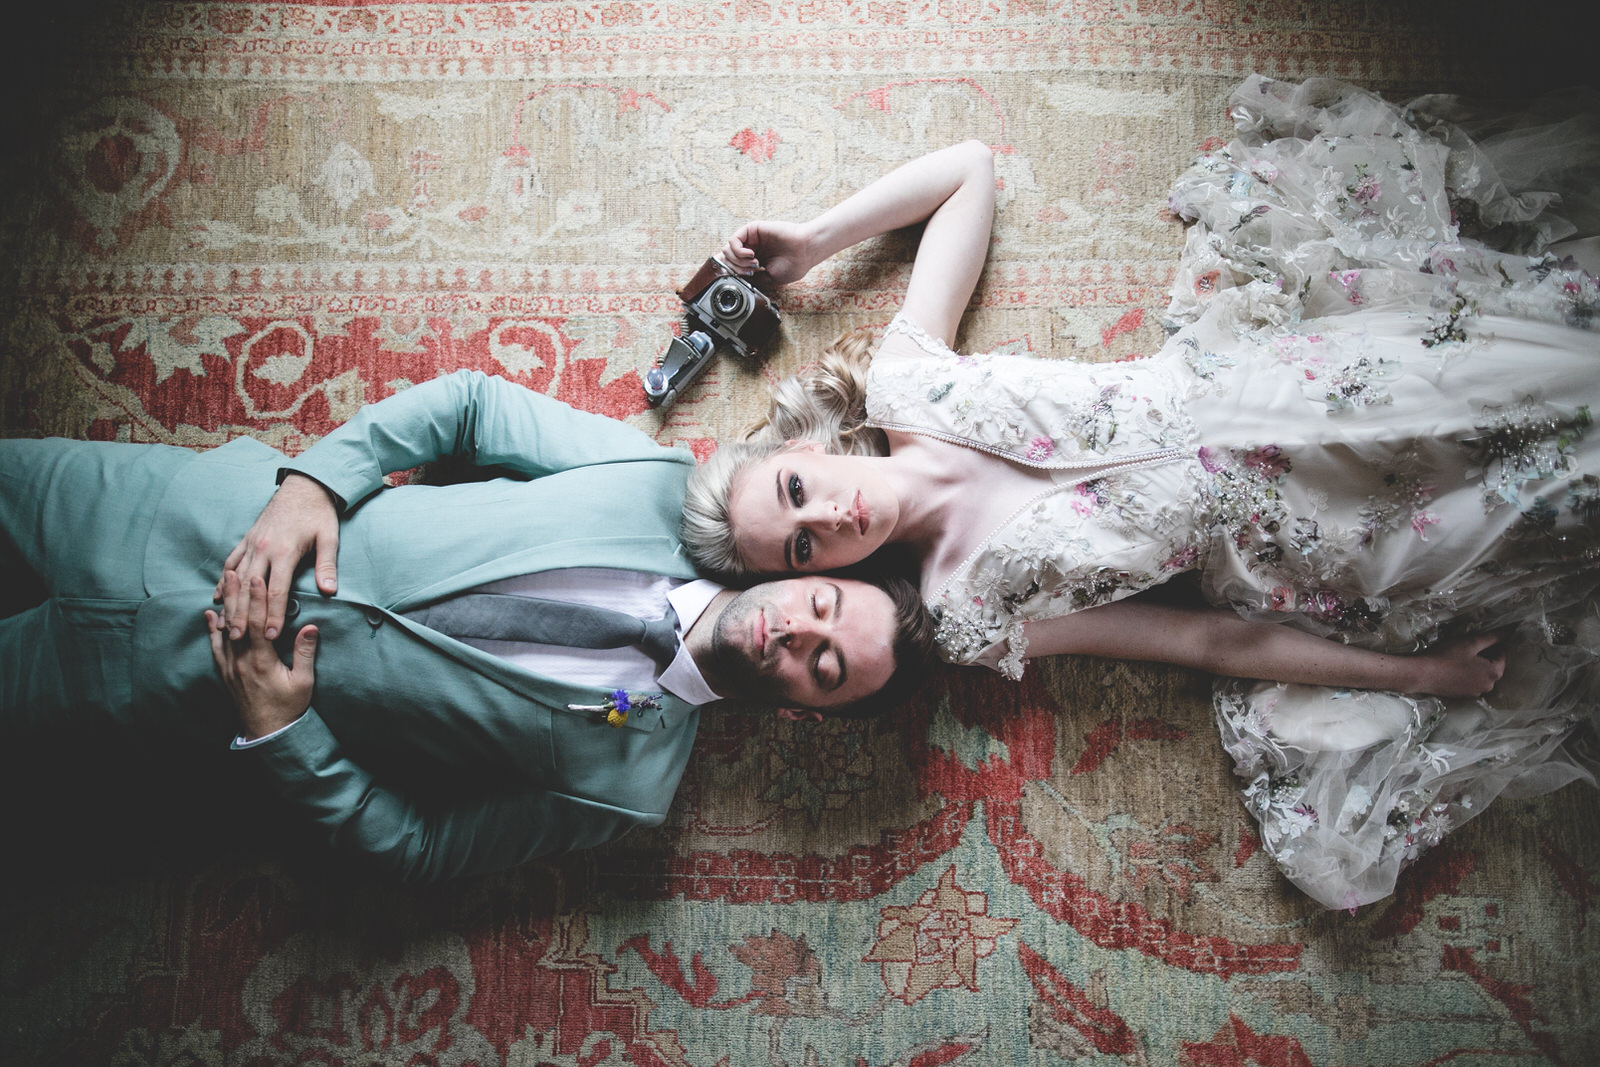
733	662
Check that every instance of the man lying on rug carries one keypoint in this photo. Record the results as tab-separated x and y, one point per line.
438	731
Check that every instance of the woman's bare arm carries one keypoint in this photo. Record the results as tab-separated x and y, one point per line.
952	189
1219	641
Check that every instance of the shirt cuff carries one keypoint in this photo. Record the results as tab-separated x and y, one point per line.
242	742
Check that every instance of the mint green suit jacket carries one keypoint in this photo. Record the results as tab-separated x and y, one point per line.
431	757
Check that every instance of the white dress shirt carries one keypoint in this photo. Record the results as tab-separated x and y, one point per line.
642	595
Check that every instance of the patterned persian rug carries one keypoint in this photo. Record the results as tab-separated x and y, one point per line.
240	218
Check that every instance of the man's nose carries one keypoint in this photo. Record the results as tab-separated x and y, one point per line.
801	630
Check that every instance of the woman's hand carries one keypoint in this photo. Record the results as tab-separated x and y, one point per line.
1463	667
950	190
784	249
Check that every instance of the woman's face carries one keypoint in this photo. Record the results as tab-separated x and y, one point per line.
808	510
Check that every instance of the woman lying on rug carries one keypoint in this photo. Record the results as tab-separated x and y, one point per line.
1372	432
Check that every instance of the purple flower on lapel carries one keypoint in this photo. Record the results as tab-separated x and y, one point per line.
621	702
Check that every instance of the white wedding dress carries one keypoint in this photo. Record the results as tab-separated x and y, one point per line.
1368	423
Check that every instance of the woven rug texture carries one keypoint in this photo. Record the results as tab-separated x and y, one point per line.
233	219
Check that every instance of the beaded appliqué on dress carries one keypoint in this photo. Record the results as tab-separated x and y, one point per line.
1405	503
1076	547
1525	441
1204	364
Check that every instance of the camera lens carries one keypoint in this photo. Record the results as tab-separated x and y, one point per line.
728	300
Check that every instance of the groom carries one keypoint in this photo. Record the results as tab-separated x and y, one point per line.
435	747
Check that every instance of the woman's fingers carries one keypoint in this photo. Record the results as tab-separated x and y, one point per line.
738	255
1489	652
1479	643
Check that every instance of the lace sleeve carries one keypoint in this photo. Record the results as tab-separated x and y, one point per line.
927	344
969	639
1007	656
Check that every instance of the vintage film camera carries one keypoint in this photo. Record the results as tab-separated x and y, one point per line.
719	304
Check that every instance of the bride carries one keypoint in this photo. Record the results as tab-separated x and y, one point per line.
1368	442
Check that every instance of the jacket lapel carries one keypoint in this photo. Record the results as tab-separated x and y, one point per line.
660	555
586	701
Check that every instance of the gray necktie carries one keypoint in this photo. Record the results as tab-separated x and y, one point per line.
500	617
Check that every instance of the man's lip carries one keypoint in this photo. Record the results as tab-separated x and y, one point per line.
761	633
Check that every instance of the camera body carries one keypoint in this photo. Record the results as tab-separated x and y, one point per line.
720	305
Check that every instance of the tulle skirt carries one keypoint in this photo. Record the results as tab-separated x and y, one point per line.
1393	374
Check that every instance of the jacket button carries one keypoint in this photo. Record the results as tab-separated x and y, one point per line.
374	618
291	609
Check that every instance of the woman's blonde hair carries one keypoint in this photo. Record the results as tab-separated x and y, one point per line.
828	404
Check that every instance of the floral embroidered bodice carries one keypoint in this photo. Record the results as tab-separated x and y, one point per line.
1119	515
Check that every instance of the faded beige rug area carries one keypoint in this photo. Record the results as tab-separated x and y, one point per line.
251	219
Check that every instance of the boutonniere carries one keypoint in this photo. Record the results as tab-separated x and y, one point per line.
616	709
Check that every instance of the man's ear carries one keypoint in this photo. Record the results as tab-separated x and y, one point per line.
799	715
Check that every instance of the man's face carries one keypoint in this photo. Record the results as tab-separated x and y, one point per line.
814	642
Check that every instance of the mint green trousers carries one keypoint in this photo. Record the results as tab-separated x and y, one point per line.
77	516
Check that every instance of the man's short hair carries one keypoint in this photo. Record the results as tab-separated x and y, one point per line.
913	647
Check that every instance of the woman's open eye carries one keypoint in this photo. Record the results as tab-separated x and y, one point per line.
797	491
802	548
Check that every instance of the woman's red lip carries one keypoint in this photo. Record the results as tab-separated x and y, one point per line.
863	515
